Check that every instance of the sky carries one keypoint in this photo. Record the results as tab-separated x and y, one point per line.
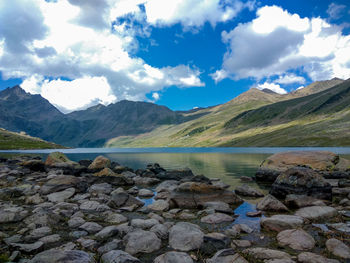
179	53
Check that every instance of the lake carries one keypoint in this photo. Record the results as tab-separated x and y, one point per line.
228	164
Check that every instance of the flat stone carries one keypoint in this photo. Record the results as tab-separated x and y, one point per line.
60	256
61	196
185	237
115	244
214	242
93	206
103	188
342	227
246	190
296	239
107	232
173	257
40	232
266	254
338	248
159	206
281	222
50	239
160	230
140	241
115	218
144	223
227	256
299	201
317	212
145	193
29	248
216	218
75	222
12	214
91	227
118	256
218	206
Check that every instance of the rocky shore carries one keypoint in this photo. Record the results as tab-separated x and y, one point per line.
57	210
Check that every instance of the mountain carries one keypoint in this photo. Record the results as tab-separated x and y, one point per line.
317	115
12	140
21	111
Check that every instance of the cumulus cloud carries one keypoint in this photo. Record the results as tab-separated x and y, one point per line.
271	86
76	40
277	41
290	79
155	96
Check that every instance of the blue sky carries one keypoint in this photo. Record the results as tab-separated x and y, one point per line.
178	53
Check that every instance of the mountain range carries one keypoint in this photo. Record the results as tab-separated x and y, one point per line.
317	115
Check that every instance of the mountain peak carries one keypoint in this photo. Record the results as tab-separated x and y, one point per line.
14	92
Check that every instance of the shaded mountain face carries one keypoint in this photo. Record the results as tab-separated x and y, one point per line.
21	111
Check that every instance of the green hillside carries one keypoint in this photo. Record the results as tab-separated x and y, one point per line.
12	141
259	118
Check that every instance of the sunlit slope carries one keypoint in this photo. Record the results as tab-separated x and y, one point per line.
218	126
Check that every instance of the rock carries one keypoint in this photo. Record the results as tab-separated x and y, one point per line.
100	163
39	232
118	256
12	214
308	257
75	222
246	190
194	195
301	180
58	159
160	230
34	165
140	241
145	193
159	206
338	248
271	168
227	256
115	218
296	239
87	243
91	227
341	191
316	212
253	214
342	227
63	182
213	242
34	199
108	176
299	201
173	257
93	206
167	186
50	239
61	196
144	223
185	237
261	253
236	229
216	218
220	207
103	188
241	243
107	232
281	222
270	203
112	245
60	256
138	180
177	174
123	199
29	248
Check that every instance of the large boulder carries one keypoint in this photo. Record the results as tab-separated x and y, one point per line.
61	161
301	180
195	195
100	163
271	204
324	161
60	256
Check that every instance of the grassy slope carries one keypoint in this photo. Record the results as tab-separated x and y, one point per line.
11	141
210	130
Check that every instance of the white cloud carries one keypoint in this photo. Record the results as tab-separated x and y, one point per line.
72	95
301	87
72	39
335	11
272	86
193	13
277	42
289	79
155	96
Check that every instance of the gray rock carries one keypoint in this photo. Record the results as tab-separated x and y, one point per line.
103	188
216	218
159	206
270	203
62	182
88	243
308	257
60	256
62	196
241	243
91	227
160	230
338	248
220	207
296	239
115	218
247	190
107	232
145	193
299	201
168	186
78	234
119	199
29	248
261	253
39	232
118	256
185	237
75	222
317	212
50	239
112	245
214	242
281	222
173	257
342	227
227	256
93	206
144	223
140	241
12	214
